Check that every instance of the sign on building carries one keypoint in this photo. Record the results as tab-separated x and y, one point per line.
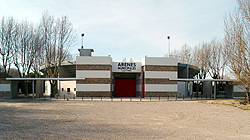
126	67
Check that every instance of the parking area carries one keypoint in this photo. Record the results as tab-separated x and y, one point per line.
77	119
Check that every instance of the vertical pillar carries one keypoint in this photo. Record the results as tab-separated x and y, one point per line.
13	89
215	85
187	83
191	84
58	87
111	83
229	90
33	89
143	82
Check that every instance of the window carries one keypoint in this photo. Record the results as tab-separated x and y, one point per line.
62	89
68	89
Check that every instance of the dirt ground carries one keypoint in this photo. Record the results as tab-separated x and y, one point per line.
242	104
50	119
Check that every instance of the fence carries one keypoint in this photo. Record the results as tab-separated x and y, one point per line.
130	99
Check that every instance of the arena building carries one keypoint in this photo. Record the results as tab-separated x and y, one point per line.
100	76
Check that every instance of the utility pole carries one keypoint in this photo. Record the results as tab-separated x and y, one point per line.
168	38
82	39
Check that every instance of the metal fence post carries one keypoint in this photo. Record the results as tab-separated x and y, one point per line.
101	98
191	96
150	97
176	97
50	96
82	96
159	97
64	96
140	97
121	97
91	98
130	98
183	96
168	97
111	98
206	96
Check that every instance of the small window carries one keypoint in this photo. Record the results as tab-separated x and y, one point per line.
74	89
62	89
68	89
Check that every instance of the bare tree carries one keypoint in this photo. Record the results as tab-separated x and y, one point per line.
58	37
217	60
37	46
6	39
185	54
201	55
237	43
24	52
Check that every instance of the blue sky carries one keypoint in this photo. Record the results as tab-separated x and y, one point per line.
131	28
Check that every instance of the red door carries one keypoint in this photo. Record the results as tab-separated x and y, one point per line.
124	87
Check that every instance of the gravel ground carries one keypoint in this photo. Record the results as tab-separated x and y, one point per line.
40	119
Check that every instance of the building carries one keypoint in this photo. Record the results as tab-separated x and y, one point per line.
99	76
153	76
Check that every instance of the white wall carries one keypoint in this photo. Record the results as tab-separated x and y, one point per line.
161	74
4	87
160	61
65	85
92	74
93	60
93	87
47	88
161	87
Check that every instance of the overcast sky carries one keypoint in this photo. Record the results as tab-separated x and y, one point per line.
131	28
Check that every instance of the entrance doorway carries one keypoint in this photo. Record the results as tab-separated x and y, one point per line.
125	85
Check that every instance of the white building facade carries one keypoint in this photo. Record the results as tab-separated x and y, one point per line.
150	77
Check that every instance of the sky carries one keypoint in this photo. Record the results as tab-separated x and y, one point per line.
131	28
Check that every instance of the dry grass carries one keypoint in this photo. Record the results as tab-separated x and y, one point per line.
242	104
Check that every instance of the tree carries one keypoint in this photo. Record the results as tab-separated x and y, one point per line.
24	49
7	29
217	61
185	54
58	37
237	43
201	54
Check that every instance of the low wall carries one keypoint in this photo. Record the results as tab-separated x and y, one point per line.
4	94
239	91
92	93
4	88
239	94
162	94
